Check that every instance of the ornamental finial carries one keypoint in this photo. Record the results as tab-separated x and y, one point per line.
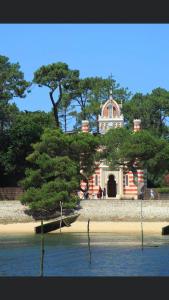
111	93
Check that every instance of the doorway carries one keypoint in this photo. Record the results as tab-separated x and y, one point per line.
111	187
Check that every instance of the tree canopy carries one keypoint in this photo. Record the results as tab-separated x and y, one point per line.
21	129
59	79
12	82
58	163
152	109
139	150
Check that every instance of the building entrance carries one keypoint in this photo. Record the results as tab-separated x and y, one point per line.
111	187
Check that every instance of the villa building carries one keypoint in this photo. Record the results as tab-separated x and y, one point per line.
118	185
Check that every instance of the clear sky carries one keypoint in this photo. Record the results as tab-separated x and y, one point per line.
137	55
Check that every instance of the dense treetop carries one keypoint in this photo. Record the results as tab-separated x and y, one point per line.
57	165
59	79
12	82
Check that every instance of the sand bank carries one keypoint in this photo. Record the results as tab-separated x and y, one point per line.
95	227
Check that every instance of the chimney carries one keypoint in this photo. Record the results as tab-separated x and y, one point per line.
85	126
137	125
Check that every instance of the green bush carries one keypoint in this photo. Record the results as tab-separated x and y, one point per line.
163	190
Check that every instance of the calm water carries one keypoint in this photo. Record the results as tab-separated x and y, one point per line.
68	255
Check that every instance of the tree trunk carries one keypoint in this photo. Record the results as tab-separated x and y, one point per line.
97	123
56	115
65	120
55	108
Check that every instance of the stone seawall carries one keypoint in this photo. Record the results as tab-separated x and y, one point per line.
13	212
97	210
124	210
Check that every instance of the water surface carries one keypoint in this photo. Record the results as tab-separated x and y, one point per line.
67	254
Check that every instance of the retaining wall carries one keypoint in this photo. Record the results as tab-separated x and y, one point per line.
12	212
124	210
97	210
10	193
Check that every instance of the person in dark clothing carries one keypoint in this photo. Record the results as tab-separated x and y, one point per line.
104	193
86	194
100	192
141	196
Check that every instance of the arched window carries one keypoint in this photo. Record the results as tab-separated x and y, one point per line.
96	180
114	112
110	110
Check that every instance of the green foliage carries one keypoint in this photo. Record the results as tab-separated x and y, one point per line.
152	109
58	163
59	79
56	182
12	82
65	110
8	113
20	131
139	149
163	190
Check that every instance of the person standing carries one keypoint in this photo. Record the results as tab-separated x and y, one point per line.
152	195
85	194
104	193
99	194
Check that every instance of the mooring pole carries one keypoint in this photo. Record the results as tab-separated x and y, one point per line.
88	234
142	234
42	250
61	204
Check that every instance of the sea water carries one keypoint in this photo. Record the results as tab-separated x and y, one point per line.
72	254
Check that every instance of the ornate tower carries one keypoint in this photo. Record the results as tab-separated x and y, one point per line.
111	116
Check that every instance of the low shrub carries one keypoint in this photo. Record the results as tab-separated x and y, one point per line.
163	190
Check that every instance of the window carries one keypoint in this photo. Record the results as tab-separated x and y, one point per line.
96	180
114	111
110	110
126	180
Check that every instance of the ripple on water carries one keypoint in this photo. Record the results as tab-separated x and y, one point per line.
68	255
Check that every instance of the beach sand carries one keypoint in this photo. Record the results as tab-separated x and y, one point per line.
95	227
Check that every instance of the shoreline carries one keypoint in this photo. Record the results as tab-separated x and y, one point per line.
120	227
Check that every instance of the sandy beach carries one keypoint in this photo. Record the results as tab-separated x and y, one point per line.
95	227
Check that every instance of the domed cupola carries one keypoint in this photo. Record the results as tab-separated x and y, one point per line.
111	116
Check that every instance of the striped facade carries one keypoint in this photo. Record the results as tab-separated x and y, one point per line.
118	185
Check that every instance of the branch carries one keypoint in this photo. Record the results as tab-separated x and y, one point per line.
60	95
51	98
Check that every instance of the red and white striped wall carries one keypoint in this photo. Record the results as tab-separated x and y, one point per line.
94	183
129	187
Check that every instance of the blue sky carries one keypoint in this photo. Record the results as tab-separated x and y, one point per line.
137	55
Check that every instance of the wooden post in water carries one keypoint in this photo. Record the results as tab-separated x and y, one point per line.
88	234
142	234
61	205
42	250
